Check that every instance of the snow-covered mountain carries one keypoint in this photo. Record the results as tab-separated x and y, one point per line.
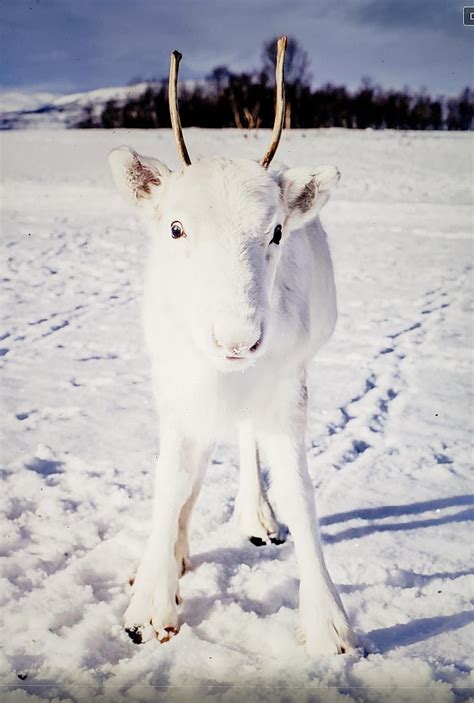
16	100
40	110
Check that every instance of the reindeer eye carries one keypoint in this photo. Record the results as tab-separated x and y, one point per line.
276	235
177	230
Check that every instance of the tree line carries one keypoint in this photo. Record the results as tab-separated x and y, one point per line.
246	101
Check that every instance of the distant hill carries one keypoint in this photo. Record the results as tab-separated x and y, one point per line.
43	110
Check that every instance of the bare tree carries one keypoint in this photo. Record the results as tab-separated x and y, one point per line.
297	75
219	78
296	62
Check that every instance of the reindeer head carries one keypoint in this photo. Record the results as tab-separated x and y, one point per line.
219	228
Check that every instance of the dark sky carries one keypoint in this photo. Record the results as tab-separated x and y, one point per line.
68	45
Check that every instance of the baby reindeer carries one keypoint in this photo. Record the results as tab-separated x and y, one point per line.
239	295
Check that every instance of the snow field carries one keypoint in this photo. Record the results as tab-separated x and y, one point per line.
388	437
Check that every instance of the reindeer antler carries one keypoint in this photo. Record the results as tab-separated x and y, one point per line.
174	111
279	102
279	105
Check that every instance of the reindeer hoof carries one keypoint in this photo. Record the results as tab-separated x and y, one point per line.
278	539
275	538
135	634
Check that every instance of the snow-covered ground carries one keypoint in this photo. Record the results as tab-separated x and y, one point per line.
388	437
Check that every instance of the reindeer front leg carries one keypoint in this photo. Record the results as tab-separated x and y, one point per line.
152	610
324	623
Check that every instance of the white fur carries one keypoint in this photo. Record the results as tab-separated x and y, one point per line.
211	295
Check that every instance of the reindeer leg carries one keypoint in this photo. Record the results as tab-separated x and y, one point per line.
152	610
324	623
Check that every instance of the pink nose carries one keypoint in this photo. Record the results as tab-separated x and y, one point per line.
235	349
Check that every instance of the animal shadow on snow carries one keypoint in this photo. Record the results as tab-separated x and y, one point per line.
397	511
418	630
421	629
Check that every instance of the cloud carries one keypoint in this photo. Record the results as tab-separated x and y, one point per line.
441	15
93	44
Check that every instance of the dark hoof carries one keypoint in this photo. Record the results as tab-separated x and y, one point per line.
257	542
281	536
277	540
135	634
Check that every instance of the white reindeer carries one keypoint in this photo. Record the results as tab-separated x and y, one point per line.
239	295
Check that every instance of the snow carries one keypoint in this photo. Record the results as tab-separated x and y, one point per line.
388	437
12	100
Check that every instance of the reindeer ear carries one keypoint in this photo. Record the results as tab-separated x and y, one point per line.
306	191
135	176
